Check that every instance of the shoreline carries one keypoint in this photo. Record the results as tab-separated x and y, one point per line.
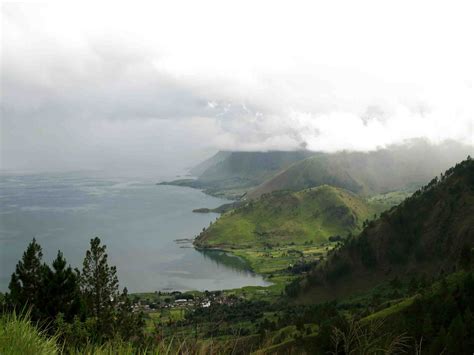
230	253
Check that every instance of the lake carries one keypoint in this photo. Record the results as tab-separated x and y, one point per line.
138	220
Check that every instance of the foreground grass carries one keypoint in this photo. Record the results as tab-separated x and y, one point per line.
19	336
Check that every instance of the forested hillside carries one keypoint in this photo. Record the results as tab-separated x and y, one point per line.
429	233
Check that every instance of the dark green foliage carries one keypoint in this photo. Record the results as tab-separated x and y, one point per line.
366	252
293	288
27	281
466	257
431	230
78	308
99	286
339	269
128	325
443	318
60	291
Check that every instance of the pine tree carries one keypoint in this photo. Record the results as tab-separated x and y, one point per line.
128	324
469	324
439	344
465	258
27	281
427	330
456	335
61	290
99	285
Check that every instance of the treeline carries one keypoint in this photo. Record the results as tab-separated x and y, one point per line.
430	227
81	307
443	317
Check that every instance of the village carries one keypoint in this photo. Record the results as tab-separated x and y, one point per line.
157	301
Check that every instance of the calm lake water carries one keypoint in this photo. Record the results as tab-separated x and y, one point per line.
137	220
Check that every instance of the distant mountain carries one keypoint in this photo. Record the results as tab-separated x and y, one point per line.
280	218
232	174
252	166
399	167
427	233
199	169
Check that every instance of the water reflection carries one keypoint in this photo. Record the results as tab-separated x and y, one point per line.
221	257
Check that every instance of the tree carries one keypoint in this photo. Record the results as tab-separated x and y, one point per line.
439	344
456	335
99	285
128	324
465	258
60	293
27	281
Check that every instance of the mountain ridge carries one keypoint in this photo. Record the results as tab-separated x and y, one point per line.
399	167
424	234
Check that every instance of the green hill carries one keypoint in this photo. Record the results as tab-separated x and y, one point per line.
399	167
427	233
282	218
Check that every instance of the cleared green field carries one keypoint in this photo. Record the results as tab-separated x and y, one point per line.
268	261
390	199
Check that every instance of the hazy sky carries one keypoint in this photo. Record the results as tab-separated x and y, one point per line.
123	86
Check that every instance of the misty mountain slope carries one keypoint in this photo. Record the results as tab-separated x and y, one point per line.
424	234
311	215
232	174
199	169
401	167
252	166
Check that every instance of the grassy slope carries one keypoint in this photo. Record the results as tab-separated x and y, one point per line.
424	234
285	218
397	168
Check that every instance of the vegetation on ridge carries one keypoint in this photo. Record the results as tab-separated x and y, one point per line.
283	218
430	232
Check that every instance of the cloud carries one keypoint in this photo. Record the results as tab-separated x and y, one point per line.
84	82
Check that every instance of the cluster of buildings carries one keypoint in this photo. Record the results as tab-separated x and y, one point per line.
179	300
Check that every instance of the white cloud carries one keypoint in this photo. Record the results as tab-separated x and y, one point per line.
241	75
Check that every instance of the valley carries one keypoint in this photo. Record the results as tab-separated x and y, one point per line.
376	259
337	259
237	178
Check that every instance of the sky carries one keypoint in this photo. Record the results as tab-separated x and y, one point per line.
157	87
